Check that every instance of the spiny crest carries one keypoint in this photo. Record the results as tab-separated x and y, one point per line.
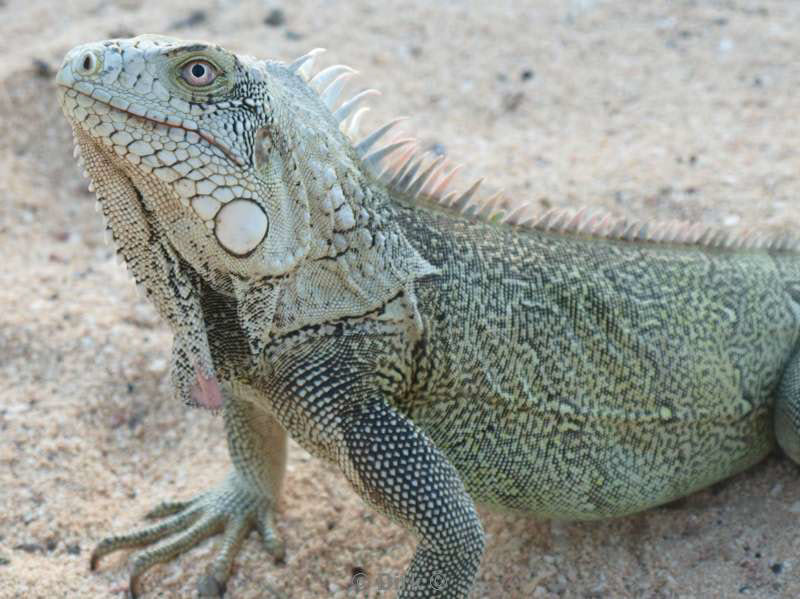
407	169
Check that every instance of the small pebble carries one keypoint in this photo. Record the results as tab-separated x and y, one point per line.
275	18
196	17
43	69
208	586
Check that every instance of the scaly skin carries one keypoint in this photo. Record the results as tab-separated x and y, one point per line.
438	360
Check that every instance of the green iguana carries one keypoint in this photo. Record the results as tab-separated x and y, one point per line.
441	350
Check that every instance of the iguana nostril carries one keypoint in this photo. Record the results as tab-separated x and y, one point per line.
87	63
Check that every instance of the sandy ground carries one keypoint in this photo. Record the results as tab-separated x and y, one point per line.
659	110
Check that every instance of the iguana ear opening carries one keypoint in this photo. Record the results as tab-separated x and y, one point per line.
262	147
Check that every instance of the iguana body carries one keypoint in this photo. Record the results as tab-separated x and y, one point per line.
576	369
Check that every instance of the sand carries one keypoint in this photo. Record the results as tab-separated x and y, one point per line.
653	109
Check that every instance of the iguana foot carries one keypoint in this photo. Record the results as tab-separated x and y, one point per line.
232	509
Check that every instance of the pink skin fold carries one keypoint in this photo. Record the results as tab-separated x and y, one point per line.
206	391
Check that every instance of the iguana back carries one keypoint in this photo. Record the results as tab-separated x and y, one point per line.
596	377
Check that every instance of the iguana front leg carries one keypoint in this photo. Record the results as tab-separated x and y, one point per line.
245	500
395	468
787	409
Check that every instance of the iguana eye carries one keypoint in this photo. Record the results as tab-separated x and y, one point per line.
199	72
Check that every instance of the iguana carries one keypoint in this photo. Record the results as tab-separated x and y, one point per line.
439	349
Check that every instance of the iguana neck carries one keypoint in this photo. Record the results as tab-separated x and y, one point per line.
359	260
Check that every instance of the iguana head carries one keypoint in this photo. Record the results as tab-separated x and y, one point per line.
198	131
240	167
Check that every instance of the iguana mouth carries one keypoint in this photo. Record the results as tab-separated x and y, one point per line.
185	124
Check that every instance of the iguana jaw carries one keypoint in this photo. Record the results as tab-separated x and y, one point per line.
86	90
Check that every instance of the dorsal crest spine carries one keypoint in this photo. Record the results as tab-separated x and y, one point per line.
414	174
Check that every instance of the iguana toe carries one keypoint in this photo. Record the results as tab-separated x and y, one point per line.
272	540
235	533
167	508
144	536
